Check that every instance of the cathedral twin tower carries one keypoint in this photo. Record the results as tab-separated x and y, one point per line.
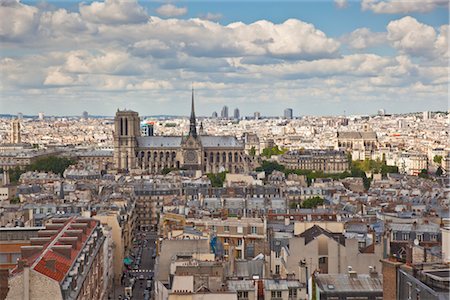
138	154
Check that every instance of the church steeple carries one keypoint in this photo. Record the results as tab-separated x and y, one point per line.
193	123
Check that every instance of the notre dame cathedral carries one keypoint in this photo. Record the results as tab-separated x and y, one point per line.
151	154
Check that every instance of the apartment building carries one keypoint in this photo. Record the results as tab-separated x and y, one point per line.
121	224
11	241
327	161
65	261
150	199
239	237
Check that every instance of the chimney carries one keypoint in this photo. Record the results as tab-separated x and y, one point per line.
29	251
82	226
5	177
26	282
47	233
389	271
351	273
39	241
69	240
64	250
54	226
74	232
373	272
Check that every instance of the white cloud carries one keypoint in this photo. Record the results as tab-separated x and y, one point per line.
114	12
363	38
211	16
170	10
83	55
56	77
18	20
402	6
441	44
341	3
149	85
412	37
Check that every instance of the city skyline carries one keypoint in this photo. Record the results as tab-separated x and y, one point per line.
318	58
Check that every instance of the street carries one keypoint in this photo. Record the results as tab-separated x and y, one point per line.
140	276
145	269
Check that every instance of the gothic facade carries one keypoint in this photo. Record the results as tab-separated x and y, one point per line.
152	154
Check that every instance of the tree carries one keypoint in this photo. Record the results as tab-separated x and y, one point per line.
14	200
439	171
268	152
218	179
312	202
270	166
423	173
53	164
252	151
437	159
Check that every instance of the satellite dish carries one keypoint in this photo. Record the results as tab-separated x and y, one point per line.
416	242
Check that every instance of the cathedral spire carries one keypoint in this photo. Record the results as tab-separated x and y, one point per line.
193	124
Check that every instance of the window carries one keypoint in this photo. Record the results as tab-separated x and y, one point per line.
277	269
292	293
405	236
433	237
419	237
225	252
213	227
253	230
239	242
276	294
242	295
277	254
226	240
239	229
226	228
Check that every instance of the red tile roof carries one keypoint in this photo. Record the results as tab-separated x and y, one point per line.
62	263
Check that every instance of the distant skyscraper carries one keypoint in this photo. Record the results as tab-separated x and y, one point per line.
426	115
257	115
288	114
236	114
214	114
41	116
224	112
15	132
20	116
85	115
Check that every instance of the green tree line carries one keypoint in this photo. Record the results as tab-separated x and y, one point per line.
53	164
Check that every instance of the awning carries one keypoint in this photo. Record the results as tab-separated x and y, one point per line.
127	260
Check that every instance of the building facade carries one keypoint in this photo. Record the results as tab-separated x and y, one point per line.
327	161
152	154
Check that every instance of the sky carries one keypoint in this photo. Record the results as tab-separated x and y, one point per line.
317	57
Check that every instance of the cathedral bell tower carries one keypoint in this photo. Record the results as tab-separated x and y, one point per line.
126	130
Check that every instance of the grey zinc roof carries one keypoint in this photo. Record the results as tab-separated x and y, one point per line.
175	141
219	141
241	285
158	141
339	283
249	268
357	135
284	285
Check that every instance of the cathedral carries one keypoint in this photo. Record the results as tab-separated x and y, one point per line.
151	154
